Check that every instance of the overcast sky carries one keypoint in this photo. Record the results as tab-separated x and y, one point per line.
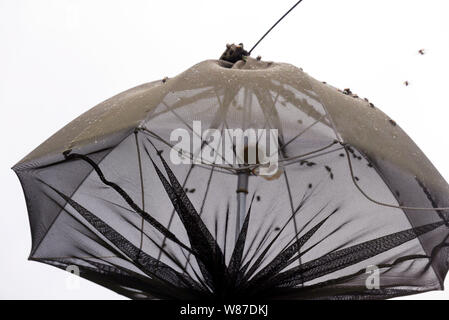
59	58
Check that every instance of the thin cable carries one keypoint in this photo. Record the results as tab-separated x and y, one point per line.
351	170
274	25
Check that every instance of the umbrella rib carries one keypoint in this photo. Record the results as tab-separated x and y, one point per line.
202	204
281	153
260	258
234	150
328	116
261	242
127	198
270	114
185	102
225	236
215	151
201	210
338	280
54	220
177	116
291	208
304	131
173	211
231	170
303	106
193	269
190	155
308	156
121	256
142	188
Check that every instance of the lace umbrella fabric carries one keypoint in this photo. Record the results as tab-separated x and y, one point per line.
352	193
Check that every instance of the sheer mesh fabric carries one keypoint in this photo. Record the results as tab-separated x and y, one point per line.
116	206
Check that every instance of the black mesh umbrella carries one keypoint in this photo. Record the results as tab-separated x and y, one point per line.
349	192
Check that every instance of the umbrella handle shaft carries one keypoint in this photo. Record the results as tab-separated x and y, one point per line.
242	192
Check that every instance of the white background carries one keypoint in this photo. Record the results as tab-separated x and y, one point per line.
58	58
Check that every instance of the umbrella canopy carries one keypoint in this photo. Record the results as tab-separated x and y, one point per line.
350	193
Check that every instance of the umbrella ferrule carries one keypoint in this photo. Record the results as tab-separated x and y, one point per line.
234	53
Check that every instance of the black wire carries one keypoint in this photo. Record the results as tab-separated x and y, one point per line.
274	25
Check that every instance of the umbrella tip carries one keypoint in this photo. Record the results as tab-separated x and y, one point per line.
234	53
